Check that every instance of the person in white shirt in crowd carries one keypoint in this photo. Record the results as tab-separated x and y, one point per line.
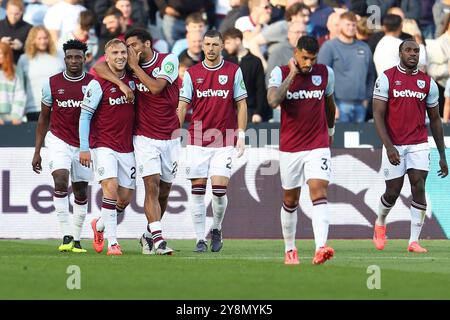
256	21
39	62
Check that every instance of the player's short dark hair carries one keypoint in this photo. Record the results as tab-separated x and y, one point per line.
309	44
213	34
113	11
87	20
400	47
140	33
233	33
392	22
75	44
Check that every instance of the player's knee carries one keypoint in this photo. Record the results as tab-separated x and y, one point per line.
120	206
152	186
391	195
198	189
61	185
219	191
418	188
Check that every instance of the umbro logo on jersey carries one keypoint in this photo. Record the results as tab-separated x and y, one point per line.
60	91
199	80
213	93
113	90
409	94
69	103
398	83
304	94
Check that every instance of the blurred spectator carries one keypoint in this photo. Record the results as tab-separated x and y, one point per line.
359	7
62	18
85	33
446	113
256	21
438	54
12	95
332	27
221	10
35	11
239	8
194	49
440	9
174	14
13	30
354	71
319	16
252	72
282	51
363	32
35	66
278	32
426	21
2	11
115	27
185	63
377	36
410	26
194	22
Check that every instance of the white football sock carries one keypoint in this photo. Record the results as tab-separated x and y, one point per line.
289	227
100	226
109	217
79	215
418	213
219	205
383	210
61	203
320	222
198	213
156	235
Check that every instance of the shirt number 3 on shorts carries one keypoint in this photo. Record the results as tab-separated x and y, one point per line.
324	165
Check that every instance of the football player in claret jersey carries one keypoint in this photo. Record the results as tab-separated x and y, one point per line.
110	135
60	109
402	97
156	144
304	90
216	90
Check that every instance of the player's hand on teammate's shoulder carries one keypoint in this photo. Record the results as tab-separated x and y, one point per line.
444	168
393	155
293	68
85	158
37	163
129	94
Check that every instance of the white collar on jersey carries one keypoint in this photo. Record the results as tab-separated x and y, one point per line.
403	70
151	62
73	79
216	67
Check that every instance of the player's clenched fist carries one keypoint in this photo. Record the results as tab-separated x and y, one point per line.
85	158
36	163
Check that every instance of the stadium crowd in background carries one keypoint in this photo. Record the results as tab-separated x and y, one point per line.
357	41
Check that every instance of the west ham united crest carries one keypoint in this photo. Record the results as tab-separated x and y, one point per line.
316	80
83	89
223	79
421	84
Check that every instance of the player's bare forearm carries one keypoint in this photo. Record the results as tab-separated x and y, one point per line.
42	127
182	105
154	85
379	112
330	110
103	71
276	95
242	114
436	130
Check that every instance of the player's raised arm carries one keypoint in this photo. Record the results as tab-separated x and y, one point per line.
380	104
166	76
436	127
277	90
104	72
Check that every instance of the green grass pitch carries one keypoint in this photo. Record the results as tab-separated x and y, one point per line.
244	269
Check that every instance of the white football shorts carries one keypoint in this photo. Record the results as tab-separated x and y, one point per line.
157	157
296	168
65	156
412	156
204	162
112	164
